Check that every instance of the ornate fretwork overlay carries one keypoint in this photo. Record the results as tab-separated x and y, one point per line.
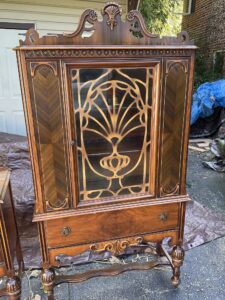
117	247
113	124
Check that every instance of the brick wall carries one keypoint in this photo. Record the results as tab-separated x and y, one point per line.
206	25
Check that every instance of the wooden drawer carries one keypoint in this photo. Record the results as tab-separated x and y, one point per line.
75	250
111	225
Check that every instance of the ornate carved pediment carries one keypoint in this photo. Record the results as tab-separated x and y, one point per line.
111	30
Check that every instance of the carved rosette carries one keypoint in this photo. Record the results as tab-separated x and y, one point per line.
112	9
13	286
117	247
93	15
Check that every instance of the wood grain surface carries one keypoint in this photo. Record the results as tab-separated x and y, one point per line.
70	219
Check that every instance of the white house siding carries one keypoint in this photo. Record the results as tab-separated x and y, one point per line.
49	16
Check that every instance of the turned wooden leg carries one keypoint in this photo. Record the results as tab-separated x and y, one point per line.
47	278
13	288
177	256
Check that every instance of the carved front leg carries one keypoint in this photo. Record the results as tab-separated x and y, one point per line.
177	260
47	278
13	288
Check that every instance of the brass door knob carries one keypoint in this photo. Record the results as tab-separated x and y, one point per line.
66	231
163	216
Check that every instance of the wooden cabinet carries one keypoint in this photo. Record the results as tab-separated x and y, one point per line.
107	111
9	239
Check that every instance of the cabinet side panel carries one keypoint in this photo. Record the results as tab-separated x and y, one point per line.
173	126
10	223
187	123
49	133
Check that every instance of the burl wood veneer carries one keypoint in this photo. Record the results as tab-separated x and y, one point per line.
107	112
9	239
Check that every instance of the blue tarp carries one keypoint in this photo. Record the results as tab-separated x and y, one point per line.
206	98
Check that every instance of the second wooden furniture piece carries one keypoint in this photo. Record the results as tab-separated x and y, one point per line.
107	112
9	239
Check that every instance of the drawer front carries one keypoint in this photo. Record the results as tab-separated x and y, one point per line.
111	225
75	250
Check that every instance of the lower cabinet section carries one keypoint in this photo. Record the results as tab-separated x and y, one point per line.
112	231
115	224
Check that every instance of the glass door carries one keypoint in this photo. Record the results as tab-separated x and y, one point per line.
113	125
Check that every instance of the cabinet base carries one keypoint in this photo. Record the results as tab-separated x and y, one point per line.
174	257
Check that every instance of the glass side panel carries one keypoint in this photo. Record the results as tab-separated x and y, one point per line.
112	108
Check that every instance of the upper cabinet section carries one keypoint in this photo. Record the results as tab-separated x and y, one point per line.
110	30
107	110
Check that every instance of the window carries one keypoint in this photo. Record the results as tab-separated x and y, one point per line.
189	6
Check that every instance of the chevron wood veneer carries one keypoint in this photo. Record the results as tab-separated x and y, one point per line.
107	111
50	137
172	143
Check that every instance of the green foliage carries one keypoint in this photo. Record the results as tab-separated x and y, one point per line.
219	62
160	18
173	24
204	74
159	15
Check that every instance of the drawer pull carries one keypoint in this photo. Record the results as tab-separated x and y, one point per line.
73	143
66	231
163	216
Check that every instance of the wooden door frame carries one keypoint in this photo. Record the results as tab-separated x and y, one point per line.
18	26
129	63
21	29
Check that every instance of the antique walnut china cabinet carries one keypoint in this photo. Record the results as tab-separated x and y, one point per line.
107	112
